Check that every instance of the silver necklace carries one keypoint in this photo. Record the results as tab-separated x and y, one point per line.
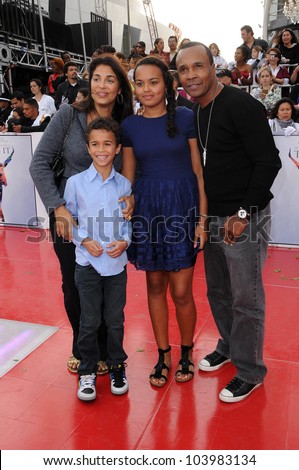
205	147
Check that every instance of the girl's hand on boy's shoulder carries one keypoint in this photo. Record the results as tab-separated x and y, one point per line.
129	206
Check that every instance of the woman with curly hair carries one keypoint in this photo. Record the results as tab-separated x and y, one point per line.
241	70
283	118
169	196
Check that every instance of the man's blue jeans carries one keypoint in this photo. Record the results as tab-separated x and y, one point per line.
93	290
236	293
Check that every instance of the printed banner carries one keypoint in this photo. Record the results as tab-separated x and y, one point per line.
17	192
284	206
21	205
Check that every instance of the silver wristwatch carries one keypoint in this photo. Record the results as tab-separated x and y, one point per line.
243	214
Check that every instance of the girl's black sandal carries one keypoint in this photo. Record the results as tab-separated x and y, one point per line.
186	367
159	368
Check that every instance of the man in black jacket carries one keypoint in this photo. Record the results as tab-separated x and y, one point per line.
140	47
250	41
67	91
32	121
240	163
5	110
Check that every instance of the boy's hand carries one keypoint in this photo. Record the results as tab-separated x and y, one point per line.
93	247
116	248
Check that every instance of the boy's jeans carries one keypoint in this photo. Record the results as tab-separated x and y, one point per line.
93	289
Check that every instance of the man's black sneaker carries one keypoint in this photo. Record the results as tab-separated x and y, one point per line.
237	390
119	384
87	389
213	361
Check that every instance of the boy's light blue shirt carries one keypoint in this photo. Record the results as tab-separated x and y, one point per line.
94	203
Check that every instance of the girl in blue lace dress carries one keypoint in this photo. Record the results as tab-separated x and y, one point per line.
169	194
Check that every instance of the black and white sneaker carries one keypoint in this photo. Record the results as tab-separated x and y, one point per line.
87	387
119	384
237	390
213	361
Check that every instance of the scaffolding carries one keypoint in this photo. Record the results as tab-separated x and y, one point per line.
17	52
151	22
101	8
22	37
22	41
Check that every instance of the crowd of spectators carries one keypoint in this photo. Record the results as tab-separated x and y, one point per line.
268	72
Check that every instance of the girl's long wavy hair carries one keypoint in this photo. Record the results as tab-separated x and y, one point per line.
172	129
121	109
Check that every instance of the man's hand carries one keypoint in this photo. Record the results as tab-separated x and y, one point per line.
233	229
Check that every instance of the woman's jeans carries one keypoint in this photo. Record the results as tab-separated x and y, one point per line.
236	293
94	290
65	252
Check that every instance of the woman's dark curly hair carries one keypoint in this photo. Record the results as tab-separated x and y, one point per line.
122	109
274	110
172	129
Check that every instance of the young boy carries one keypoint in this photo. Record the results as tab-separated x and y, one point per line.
101	240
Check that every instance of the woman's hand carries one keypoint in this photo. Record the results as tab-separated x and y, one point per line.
262	94
64	223
201	236
130	204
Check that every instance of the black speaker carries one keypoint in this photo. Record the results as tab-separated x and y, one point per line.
95	34
57	10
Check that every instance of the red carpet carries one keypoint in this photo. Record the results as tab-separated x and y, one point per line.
39	408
